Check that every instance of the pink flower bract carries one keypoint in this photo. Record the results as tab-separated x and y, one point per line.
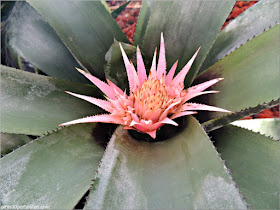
153	101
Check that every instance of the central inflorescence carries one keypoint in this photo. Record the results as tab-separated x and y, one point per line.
153	101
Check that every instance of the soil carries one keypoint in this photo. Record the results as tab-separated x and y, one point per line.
239	7
127	20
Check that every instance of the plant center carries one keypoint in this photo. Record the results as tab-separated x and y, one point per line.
151	99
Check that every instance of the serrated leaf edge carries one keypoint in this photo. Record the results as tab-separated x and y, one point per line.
209	125
256	132
218	156
94	181
237	47
148	21
226	168
43	135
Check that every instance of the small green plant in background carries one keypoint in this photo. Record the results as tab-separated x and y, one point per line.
185	169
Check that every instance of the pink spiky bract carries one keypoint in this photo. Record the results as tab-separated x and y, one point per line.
153	101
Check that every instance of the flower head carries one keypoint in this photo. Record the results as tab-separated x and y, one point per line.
152	101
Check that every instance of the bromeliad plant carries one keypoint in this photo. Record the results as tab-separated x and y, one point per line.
153	101
183	170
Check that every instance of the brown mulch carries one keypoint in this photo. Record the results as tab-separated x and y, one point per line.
239	7
127	20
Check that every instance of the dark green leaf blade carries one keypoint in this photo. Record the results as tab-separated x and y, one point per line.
142	21
254	162
6	9
268	127
7	57
117	11
106	5
219	122
34	104
250	76
10	141
85	27
54	171
186	25
114	68
250	23
30	37
182	172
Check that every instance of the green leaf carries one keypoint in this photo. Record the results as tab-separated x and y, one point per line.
85	27
250	76
54	171
8	57
30	37
142	21
179	173
267	127
10	141
106	6
114	67
254	162
34	104
248	24
6	9
117	11
186	25
216	123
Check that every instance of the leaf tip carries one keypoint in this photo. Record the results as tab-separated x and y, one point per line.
80	70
